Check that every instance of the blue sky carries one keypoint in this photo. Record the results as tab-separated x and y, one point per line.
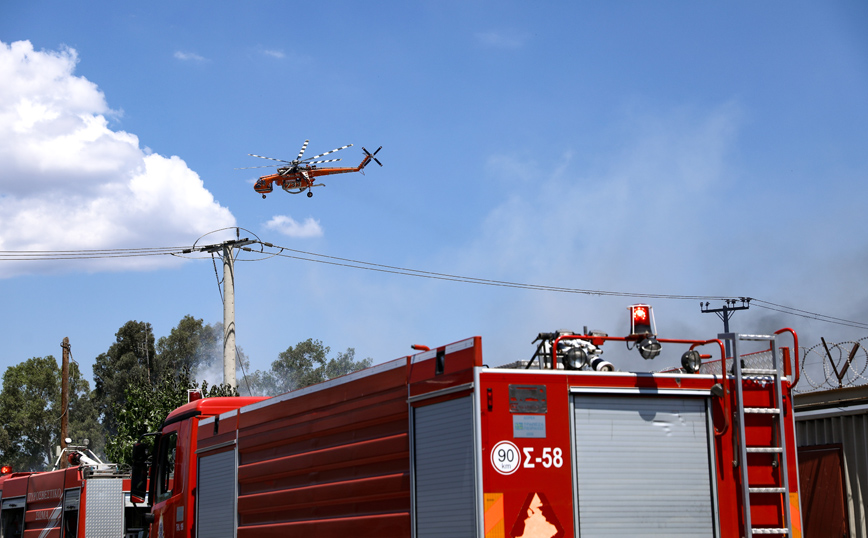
709	149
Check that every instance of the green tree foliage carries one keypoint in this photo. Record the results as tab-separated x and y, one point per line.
138	382
31	410
145	407
131	360
303	365
135	359
191	345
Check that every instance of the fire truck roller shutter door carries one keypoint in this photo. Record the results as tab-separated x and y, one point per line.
216	495
642	466
444	471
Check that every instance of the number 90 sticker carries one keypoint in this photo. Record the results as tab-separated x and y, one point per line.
505	457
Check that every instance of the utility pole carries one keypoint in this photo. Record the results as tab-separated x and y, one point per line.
228	316
226	249
726	312
64	397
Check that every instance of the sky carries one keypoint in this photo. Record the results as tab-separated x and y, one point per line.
613	149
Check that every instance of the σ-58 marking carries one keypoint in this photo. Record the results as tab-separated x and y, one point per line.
551	457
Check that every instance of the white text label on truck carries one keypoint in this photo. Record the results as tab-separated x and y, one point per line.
551	457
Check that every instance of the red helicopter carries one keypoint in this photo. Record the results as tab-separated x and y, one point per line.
299	175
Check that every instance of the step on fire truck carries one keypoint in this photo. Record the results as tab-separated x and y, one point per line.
87	499
437	444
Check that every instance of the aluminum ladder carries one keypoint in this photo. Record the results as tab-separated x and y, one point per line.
778	433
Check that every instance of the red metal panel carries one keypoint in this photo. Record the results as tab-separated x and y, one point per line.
543	464
457	361
329	460
821	475
319	399
73	479
394	524
44	504
15	485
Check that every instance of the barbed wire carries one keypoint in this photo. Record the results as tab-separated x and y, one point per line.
844	364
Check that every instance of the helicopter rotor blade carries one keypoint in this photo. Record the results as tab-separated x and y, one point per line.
249	167
325	161
326	153
300	153
269	158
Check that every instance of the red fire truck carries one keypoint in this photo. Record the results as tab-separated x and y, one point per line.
90	499
438	444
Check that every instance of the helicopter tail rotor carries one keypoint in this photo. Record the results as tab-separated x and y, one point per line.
371	155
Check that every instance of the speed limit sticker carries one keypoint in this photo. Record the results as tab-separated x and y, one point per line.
505	457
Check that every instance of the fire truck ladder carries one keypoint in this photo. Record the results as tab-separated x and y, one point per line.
773	376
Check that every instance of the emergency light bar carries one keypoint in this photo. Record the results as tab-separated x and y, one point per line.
5	469
643	328
642	320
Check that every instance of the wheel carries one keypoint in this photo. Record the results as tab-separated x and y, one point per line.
309	194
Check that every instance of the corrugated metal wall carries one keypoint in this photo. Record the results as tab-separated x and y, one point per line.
851	431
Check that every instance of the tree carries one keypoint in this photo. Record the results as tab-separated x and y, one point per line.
30	407
131	360
147	405
192	344
303	365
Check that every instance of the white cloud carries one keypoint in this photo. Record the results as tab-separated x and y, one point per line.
290	227
68	181
279	54
501	40
189	56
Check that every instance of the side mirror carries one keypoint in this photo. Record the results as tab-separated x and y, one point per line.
139	472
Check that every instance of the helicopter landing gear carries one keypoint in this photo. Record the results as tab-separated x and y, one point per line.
309	194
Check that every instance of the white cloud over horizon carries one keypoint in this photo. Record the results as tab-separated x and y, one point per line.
274	53
186	56
288	226
68	181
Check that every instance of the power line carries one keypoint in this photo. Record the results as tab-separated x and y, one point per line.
59	255
55	255
358	264
809	315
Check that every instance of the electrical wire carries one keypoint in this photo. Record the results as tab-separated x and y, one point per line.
357	264
283	252
808	315
54	255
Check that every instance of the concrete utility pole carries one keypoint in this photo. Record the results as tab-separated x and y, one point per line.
228	316
229	358
725	313
64	397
